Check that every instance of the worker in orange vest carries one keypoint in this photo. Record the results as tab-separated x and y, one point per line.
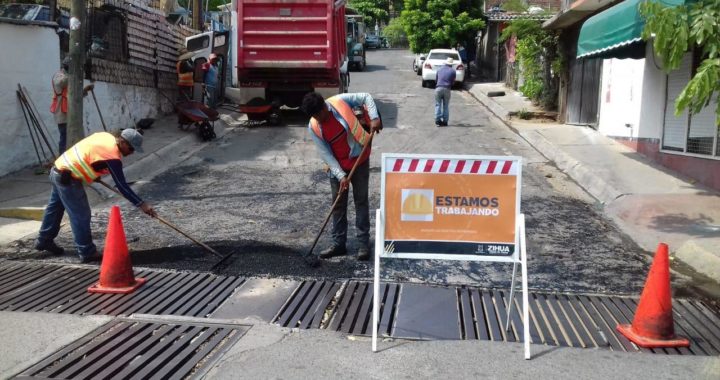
339	138
92	157
59	105
186	72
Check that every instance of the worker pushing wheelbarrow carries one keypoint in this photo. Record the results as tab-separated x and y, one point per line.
193	113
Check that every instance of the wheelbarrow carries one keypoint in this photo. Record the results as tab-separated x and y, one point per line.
257	112
194	113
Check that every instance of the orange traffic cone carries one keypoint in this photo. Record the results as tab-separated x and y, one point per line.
653	325
116	273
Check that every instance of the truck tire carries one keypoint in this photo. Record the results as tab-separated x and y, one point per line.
361	65
424	83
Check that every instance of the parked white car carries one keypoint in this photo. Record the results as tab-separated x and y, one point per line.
417	63
435	60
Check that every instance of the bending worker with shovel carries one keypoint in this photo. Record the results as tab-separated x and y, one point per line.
95	155
340	138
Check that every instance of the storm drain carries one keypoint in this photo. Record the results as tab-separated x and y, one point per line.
307	305
414	311
134	349
61	289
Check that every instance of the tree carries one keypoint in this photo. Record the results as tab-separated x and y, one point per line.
395	33
373	11
433	24
689	27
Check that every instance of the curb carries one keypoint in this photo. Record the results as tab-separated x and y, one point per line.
697	253
487	101
584	176
28	213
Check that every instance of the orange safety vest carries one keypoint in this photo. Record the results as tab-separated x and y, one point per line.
79	159
184	79
63	101
355	129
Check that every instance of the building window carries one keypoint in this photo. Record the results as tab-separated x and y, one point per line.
108	34
695	134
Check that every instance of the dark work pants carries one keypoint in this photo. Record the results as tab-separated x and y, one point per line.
68	197
62	128
359	185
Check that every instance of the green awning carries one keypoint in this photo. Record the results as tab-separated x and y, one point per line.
614	30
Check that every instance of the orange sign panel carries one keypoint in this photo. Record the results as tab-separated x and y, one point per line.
452	206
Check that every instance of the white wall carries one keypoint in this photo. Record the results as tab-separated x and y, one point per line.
30	56
122	106
653	104
621	97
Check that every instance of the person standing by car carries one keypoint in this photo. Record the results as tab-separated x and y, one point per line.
444	80
93	156
211	80
339	138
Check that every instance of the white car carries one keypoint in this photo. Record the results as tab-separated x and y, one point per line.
417	63
435	60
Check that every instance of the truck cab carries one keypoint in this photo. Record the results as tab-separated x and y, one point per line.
356	41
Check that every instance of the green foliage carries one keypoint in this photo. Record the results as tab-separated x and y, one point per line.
538	58
431	24
524	114
373	11
395	33
677	30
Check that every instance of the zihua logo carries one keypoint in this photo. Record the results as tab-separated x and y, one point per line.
498	249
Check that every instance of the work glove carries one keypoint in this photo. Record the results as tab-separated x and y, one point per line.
148	209
88	88
344	184
375	126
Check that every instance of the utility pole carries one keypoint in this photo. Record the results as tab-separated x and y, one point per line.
76	75
197	17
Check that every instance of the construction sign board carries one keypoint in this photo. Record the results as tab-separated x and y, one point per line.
451	207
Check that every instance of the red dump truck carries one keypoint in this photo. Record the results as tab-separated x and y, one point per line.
287	48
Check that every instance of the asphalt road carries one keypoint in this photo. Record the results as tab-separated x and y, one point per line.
260	192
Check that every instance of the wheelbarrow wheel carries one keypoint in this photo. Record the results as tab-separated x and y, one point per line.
274	119
206	131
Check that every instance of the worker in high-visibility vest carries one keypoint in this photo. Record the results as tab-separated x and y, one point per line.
59	104
186	74
92	157
339	138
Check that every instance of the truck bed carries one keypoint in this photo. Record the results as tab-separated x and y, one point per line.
290	34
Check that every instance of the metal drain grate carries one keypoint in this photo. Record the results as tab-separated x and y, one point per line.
422	312
64	290
136	349
306	306
354	311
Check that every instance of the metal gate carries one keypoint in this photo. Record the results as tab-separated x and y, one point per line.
584	91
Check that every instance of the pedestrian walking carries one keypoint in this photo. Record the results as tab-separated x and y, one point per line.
92	157
462	52
444	80
339	138
59	104
211	80
185	72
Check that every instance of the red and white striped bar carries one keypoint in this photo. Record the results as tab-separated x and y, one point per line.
426	165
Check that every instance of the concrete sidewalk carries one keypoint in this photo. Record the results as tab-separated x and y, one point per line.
650	203
24	194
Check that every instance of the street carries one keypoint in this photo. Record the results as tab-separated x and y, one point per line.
260	192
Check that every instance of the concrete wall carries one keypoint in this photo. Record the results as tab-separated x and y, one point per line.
653	98
31	55
621	96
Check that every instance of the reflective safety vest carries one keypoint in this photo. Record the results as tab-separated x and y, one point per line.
63	102
101	146
184	79
355	129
